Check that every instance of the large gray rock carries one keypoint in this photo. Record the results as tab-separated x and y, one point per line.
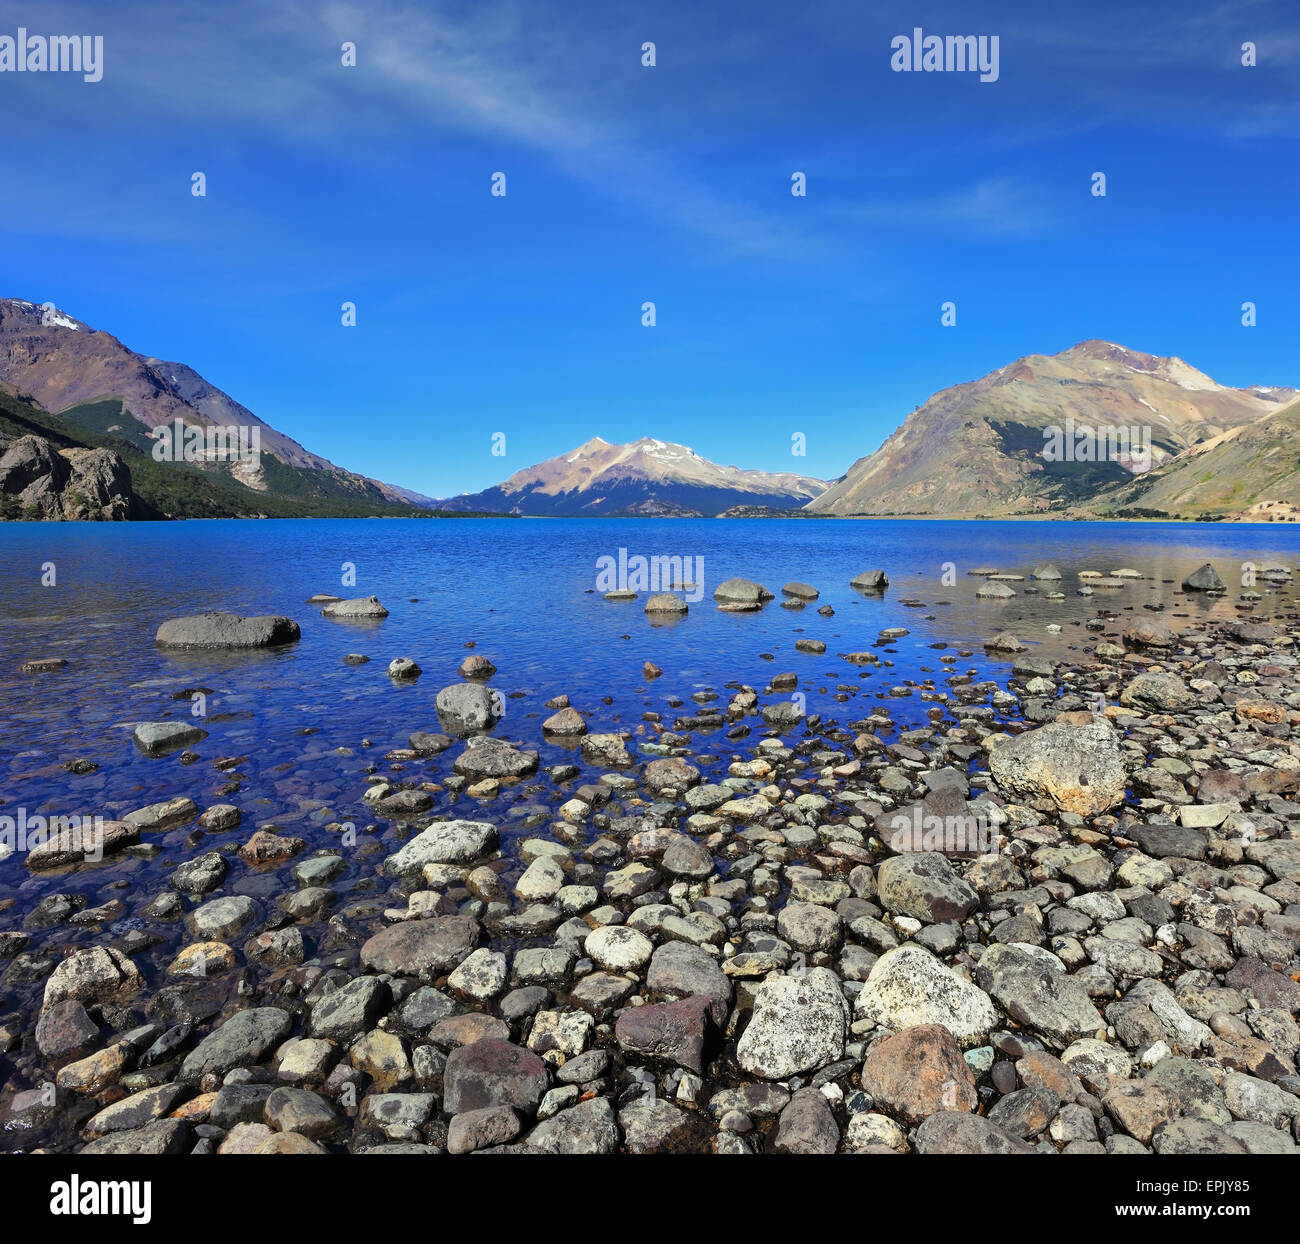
361	607
222	918
423	948
1071	768
924	886
244	1040
1158	692
466	708
679	969
1205	579
227	630
485	757
909	986
161	1136
588	1127
951	1132
351	1009
162	736
799	1024
74	484
741	594
1052	1005
99	974
444	842
666	602
870	581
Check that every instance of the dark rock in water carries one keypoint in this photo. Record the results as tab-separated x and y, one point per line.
1206	579
65	1032
870	581
801	591
43	665
227	630
199	875
651	670
244	1040
361	607
424	743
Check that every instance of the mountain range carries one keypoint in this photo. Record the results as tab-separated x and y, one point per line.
647	477
978	449
81	415
78	388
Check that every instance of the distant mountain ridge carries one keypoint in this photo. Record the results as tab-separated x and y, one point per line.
646	477
976	449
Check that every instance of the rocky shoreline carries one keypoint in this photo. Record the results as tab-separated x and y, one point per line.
754	930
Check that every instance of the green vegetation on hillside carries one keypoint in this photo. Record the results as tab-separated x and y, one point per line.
181	490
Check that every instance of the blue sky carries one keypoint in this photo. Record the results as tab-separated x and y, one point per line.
776	314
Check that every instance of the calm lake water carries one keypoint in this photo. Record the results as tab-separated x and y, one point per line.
312	729
523	592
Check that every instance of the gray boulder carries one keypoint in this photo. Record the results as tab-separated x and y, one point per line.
227	630
466	708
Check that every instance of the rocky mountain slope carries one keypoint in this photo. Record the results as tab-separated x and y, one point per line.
647	477
978	448
1250	472
95	385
